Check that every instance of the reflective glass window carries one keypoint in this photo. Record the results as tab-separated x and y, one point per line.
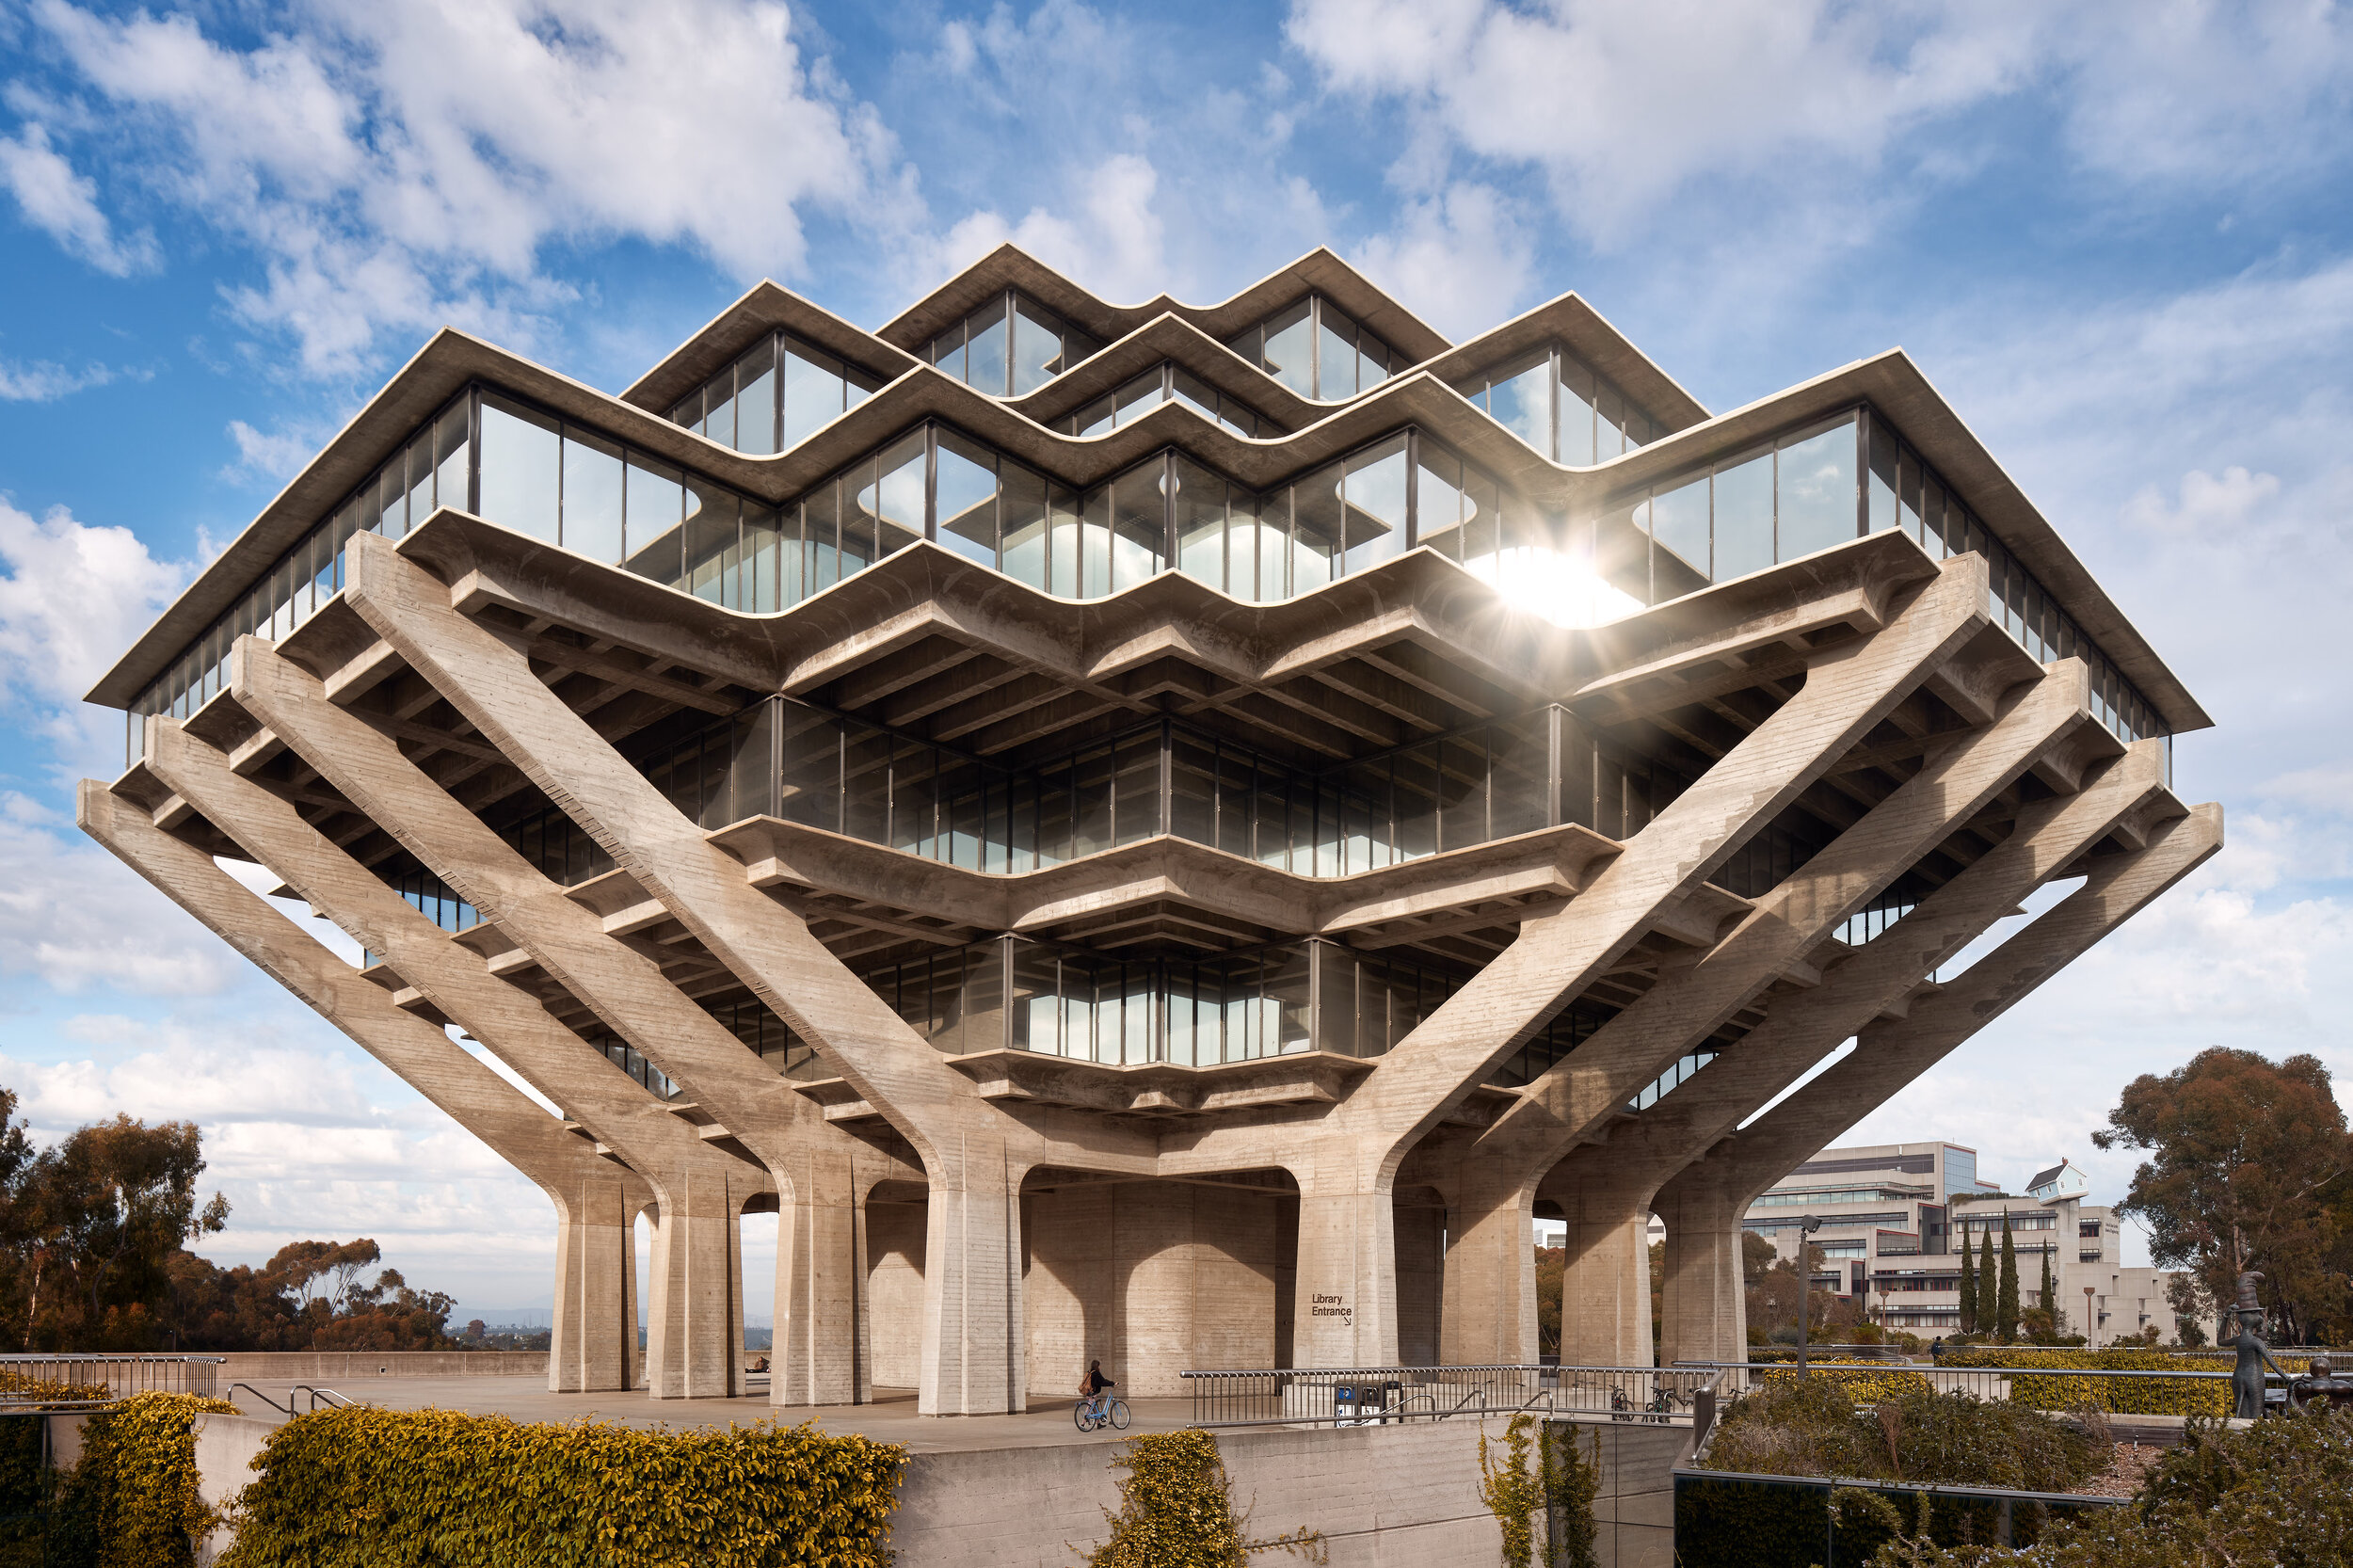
813	393
1287	351
1576	414
1095	418
984	346
1336	355
592	495
756	399
1438	501
451	457
1881	493
762	554
1816	490
1609	424
1744	518
1520	398
900	488
1138	397
1678	521
1021	503
1374	489
653	505
520	472
968	498
1198	523
1039	349
1483	524
947	351
419	458
712	540
1139	525
1375	361
1315	514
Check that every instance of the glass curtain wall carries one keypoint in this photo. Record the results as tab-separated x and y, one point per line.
1166	383
1009	347
1561	406
1317	350
776	396
1013	992
785	759
1825	483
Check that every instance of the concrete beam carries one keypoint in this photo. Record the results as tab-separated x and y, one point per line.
1704	1204
696	1323
1607	1190
1492	1276
593	1345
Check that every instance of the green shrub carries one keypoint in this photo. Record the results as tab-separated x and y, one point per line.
368	1488
2279	1493
1865	1382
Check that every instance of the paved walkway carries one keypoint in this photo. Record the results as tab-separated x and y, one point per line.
891	1417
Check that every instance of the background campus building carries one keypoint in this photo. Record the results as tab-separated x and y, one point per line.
1159	832
1896	1217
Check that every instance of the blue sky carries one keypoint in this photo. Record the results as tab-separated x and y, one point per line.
2116	235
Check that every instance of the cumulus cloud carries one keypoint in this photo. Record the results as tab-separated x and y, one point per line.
394	168
1111	241
44	383
1460	259
64	205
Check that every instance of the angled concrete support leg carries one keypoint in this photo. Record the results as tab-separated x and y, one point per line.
593	1345
970	1366
1556	956
1570	1102
626	989
821	1324
696	1336
1703	1305
1715	1191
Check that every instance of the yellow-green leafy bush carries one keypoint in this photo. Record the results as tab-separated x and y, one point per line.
131	1501
367	1488
2152	1396
1810	1426
1865	1382
1176	1509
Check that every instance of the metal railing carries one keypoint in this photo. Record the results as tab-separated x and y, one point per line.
1384	1395
123	1375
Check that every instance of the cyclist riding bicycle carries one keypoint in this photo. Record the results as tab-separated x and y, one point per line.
1094	1387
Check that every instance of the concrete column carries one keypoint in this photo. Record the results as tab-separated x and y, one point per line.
1891	1054
974	1342
1345	1305
593	1345
1574	1099
689	1178
821	1330
1704	1306
626	989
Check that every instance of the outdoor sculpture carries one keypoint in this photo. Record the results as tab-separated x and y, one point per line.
2247	1377
2321	1386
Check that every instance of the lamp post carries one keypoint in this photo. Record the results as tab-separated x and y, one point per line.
1806	1227
2091	1326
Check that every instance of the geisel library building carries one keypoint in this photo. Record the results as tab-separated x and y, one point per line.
1161	833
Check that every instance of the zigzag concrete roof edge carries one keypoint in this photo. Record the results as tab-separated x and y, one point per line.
452	359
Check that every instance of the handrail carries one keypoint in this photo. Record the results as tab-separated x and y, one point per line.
286	1409
336	1401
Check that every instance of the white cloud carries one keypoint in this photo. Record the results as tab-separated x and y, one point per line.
64	205
1113	243
1460	260
272	454
394	168
74	597
44	383
75	916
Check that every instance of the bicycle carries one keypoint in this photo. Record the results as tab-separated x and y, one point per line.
1088	1417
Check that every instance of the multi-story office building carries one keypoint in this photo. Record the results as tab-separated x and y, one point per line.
1898	1218
1154	832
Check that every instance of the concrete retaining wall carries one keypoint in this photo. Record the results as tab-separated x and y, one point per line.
327	1366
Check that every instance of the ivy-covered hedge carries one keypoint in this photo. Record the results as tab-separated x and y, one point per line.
131	1501
367	1488
2154	1396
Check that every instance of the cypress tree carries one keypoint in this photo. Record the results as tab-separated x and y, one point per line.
2050	1294
1968	1282
2005	1304
1987	1293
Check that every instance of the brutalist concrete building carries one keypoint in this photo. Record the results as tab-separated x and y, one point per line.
1157	832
